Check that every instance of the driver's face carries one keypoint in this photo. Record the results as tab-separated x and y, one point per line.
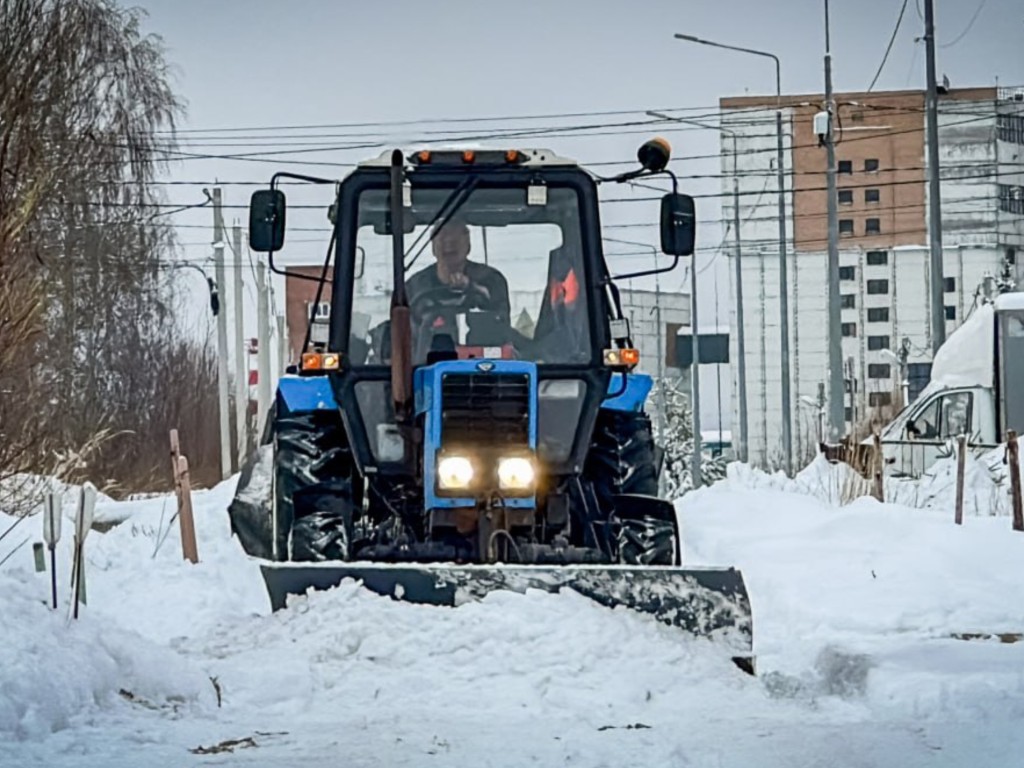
451	245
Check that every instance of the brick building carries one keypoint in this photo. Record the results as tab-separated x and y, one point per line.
884	248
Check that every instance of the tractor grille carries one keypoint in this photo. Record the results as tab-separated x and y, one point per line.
485	409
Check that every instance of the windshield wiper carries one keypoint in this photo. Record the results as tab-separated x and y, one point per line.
454	201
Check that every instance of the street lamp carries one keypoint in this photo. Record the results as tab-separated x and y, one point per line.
741	349
210	282
787	437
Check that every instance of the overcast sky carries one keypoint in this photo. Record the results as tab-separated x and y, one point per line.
259	63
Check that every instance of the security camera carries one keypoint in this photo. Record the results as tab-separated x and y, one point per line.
821	126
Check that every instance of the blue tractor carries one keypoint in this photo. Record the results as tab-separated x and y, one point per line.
473	420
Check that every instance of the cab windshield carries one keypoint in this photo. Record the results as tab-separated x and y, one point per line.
500	275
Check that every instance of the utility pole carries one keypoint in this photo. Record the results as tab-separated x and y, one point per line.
741	344
241	357
222	339
282	346
263	346
837	412
787	403
934	192
695	457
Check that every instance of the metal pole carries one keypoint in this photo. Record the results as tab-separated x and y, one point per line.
741	345
263	347
787	441
222	340
695	458
741	364
787	420
241	356
938	319
837	414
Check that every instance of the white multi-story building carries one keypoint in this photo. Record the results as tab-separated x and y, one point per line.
884	252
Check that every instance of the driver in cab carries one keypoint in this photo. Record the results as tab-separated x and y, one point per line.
455	285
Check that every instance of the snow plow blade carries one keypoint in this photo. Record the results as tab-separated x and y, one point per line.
708	602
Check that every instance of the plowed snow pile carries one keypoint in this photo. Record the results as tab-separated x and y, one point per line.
854	612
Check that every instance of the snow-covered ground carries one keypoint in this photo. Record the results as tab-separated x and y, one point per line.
854	609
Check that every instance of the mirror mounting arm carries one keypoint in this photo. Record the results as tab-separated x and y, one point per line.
646	272
270	254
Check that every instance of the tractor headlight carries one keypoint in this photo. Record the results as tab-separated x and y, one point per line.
454	473
516	473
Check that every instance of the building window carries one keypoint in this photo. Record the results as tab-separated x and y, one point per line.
877	258
846	197
871	165
879	371
849	330
846	166
949	285
878	287
1011	128
876	343
872	226
846	227
848	301
848	414
1011	199
878	315
872	195
951	313
880	398
847	273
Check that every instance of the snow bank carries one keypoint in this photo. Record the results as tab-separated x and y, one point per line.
24	493
143	598
986	486
52	670
828	483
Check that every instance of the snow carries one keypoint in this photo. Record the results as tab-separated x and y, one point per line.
854	607
1009	302
965	360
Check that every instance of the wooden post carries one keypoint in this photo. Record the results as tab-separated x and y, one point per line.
961	458
188	526
175	455
1013	452
878	465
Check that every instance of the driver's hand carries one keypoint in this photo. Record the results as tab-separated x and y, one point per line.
457	280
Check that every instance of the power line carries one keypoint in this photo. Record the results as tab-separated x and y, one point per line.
270	156
888	48
974	18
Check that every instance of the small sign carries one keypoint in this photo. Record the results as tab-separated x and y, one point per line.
51	520
713	349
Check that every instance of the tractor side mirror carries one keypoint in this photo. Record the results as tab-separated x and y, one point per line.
266	220
678	224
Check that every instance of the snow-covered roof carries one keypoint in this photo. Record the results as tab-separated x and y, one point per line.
1010	302
965	360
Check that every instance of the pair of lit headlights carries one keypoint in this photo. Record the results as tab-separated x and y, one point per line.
456	473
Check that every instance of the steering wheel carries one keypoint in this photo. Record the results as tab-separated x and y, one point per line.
447	297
